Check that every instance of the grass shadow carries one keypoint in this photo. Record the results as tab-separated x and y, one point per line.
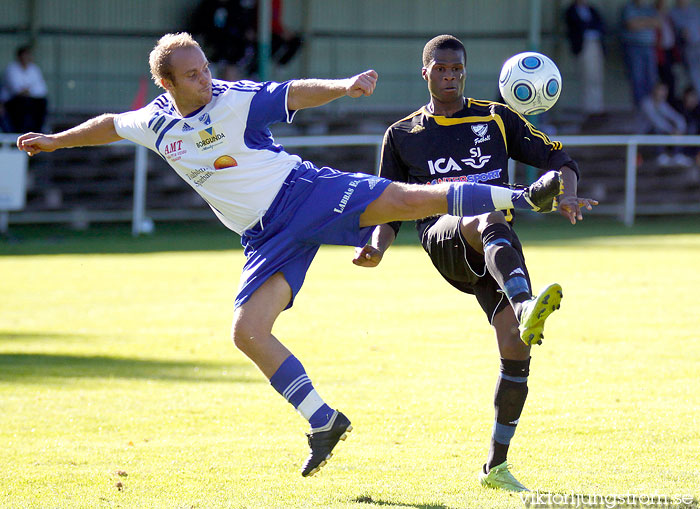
117	239
554	229
42	368
11	336
366	499
212	236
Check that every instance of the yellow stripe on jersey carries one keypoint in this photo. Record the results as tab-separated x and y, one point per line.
408	117
442	120
556	145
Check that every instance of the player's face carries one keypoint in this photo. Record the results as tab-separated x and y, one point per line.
446	75
191	83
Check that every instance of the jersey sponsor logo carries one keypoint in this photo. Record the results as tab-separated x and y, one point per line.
174	151
225	162
186	127
477	177
199	176
204	119
208	138
443	165
480	130
346	197
476	160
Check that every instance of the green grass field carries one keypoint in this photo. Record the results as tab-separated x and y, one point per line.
116	367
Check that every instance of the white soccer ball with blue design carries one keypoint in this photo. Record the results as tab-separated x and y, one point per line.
530	83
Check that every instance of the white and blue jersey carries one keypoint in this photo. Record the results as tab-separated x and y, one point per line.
282	208
224	150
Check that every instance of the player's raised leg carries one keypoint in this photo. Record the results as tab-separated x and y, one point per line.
252	334
503	256
405	202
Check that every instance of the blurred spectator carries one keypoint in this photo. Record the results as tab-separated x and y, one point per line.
26	93
691	113
691	110
585	32
228	31
639	25
667	53
285	43
686	20
4	122
661	118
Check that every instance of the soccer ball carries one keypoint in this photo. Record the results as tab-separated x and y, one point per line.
530	83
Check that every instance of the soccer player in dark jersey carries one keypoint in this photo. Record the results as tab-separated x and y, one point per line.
454	139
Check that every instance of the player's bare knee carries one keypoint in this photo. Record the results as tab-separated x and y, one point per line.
510	346
469	228
244	331
485	220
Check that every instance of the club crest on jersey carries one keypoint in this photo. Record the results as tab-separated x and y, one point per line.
208	138
480	130
204	119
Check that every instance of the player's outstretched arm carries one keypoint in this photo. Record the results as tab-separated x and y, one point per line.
570	204
371	254
96	131
316	92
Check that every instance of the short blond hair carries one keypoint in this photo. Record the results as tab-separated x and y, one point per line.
159	59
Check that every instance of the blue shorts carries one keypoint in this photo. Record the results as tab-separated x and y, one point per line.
315	206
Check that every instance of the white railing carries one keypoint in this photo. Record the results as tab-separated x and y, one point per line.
142	223
633	142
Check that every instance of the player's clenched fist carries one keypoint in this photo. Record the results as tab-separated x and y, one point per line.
33	143
362	84
367	256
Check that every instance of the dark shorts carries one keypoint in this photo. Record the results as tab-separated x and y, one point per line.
315	206
462	266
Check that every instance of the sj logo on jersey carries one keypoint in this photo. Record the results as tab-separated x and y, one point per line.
476	160
208	138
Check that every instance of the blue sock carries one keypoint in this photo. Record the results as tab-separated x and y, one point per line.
469	199
292	382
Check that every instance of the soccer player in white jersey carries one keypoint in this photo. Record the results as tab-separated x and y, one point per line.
215	135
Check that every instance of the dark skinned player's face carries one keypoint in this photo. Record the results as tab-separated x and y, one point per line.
446	76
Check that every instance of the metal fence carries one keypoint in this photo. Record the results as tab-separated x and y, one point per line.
141	223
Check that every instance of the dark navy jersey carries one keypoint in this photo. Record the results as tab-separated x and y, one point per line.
473	145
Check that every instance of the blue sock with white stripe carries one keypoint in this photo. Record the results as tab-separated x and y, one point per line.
472	199
292	382
511	393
